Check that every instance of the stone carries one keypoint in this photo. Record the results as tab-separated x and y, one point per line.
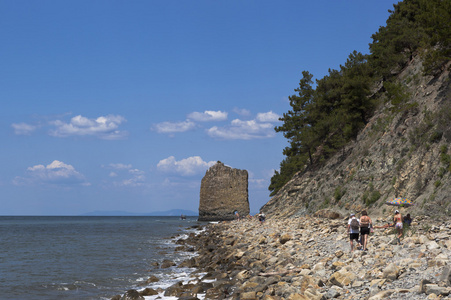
445	277
339	253
432	245
309	268
342	278
333	292
152	278
377	282
148	292
382	295
391	272
243	275
328	214
338	265
132	295
174	290
312	294
249	296
297	297
285	238
223	191
167	264
441	260
423	285
431	288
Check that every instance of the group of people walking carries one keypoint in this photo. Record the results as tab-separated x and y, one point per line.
364	225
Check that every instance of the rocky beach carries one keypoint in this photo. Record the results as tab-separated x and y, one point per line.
310	258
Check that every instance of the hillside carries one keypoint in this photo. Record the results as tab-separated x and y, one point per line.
401	152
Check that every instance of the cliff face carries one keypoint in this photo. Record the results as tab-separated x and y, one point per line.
402	152
223	191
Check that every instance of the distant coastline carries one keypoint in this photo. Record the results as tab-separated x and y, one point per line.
166	213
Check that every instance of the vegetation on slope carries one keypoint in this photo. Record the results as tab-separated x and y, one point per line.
325	118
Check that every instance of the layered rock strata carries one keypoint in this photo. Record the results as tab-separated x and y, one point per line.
223	191
403	154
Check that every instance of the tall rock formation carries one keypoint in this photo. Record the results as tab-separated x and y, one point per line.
223	191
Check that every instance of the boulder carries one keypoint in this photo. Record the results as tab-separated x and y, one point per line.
342	278
445	277
391	272
174	290
148	292
167	263
285	238
328	214
132	295
249	296
431	288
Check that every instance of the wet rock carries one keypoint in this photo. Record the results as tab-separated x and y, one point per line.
174	290
148	292
132	295
151	279
167	264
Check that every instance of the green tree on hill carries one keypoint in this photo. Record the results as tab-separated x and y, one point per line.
414	26
324	119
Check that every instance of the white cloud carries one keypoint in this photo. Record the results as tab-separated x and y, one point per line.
120	166
243	130
185	167
258	183
137	179
259	128
23	128
171	127
242	111
208	116
125	175
267	117
55	173
104	127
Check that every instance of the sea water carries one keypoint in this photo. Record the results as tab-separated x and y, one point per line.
87	257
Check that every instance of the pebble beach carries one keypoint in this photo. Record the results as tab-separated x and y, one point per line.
310	258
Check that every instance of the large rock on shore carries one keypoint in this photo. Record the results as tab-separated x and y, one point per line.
223	191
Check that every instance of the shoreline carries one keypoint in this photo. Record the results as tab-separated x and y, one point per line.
310	258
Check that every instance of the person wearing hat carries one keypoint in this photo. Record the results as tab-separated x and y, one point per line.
397	220
353	231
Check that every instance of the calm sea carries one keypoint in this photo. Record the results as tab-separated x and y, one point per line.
87	257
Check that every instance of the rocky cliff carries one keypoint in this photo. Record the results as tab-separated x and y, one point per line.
402	152
223	191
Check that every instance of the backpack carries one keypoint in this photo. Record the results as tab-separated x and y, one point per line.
354	224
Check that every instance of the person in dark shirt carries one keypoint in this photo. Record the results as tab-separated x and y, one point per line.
407	219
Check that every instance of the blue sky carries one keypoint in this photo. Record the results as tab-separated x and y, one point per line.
124	105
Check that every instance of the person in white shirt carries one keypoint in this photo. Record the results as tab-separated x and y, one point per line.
353	230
